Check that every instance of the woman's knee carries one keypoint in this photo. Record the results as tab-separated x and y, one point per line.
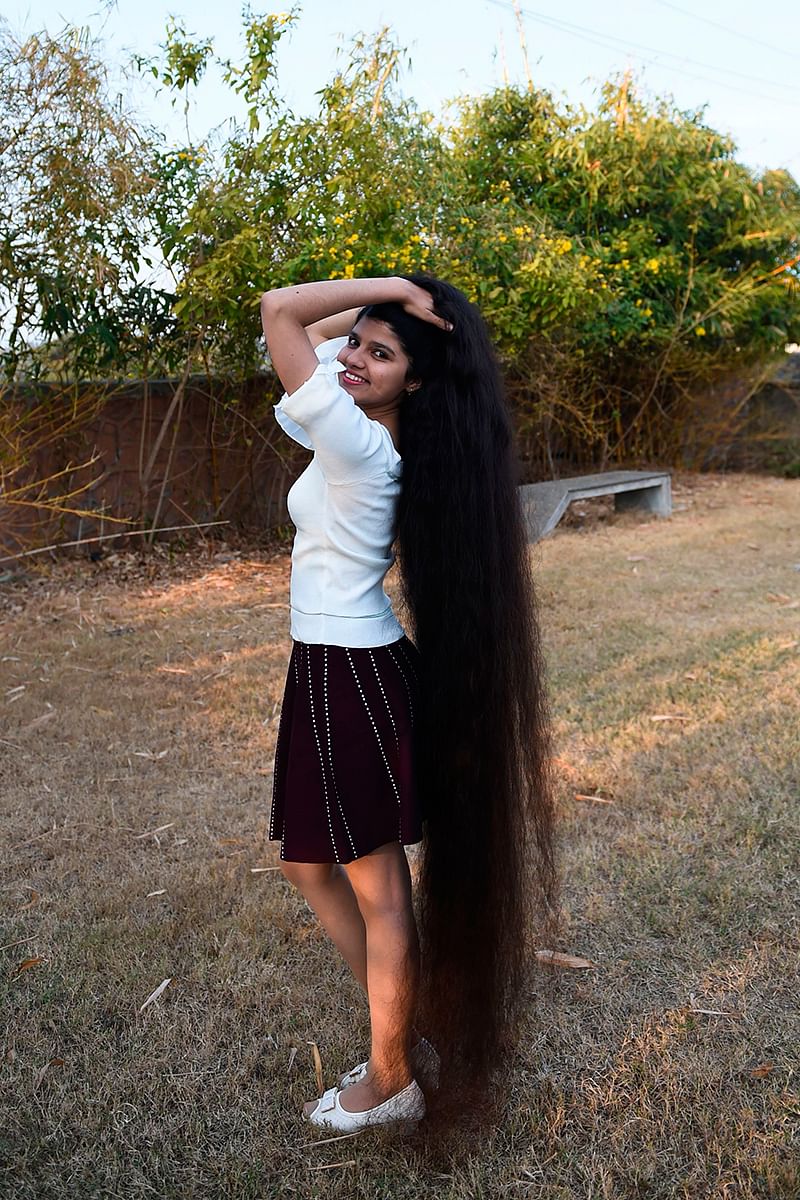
382	883
307	876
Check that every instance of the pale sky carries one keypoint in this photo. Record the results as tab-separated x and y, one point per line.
739	59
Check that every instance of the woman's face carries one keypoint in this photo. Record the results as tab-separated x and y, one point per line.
376	366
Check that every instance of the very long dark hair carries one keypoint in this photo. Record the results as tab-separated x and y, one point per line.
487	877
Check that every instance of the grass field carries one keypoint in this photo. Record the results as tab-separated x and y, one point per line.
140	702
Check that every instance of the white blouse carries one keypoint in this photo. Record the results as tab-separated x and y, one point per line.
344	509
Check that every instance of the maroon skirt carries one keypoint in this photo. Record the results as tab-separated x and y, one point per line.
344	762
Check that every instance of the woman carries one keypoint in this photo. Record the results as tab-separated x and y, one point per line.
387	740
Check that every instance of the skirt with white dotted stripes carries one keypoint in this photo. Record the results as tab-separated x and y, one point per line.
344	780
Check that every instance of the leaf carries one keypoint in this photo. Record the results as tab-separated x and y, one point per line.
40	1074
594	799
149	754
669	717
160	892
33	900
762	1070
154	995
317	1066
555	958
27	963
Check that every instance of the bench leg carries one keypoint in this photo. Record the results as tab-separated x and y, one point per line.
656	498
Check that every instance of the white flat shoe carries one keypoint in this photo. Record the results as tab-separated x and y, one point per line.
425	1063
406	1108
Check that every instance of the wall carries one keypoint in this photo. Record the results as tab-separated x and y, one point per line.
215	452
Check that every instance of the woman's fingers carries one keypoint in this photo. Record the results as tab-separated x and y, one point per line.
420	303
424	310
433	318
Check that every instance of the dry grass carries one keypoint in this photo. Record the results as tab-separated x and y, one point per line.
142	699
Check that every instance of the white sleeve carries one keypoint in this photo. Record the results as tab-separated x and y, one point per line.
324	418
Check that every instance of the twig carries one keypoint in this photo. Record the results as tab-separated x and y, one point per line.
19	942
108	536
324	1141
351	1162
175	428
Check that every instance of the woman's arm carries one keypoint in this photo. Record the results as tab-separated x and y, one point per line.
286	313
332	327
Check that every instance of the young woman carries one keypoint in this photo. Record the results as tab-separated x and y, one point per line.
387	740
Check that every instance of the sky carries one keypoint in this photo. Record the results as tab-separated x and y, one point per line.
739	60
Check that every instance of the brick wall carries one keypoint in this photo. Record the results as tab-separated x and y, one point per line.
219	455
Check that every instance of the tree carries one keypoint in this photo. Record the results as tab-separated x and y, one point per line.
73	213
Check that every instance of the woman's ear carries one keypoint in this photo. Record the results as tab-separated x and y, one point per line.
412	386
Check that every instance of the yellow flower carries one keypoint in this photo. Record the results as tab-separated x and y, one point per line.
351	241
562	246
502	237
348	254
338	220
349	271
520	230
652	264
699	331
647	312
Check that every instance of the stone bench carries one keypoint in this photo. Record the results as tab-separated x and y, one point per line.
544	504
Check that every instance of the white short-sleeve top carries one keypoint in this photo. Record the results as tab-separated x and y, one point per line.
344	509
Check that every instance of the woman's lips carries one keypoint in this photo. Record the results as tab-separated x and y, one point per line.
353	380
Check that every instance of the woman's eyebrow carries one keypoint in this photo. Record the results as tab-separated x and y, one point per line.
373	345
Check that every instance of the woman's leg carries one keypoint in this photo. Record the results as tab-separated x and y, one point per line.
328	891
381	882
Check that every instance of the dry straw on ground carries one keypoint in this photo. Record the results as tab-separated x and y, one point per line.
165	989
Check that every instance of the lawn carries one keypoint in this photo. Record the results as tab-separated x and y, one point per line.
140	700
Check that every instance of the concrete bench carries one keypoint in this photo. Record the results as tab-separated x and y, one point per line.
544	504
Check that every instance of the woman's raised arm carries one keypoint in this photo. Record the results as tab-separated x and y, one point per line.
287	312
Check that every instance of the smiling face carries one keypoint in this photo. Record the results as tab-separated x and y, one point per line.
376	367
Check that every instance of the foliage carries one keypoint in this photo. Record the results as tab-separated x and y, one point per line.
72	230
291	201
624	259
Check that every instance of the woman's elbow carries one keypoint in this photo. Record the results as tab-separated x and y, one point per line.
270	302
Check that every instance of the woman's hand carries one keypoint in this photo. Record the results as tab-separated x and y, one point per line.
419	303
